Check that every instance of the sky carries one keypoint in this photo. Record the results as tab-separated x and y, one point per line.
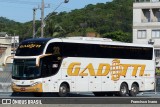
22	10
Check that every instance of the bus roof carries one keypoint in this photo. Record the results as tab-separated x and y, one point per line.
40	40
91	40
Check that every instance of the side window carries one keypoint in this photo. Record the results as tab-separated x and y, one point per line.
54	49
50	48
69	49
147	53
86	50
46	68
49	66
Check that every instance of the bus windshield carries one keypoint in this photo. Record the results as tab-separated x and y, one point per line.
25	69
31	47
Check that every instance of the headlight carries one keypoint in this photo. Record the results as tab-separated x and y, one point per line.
13	83
35	84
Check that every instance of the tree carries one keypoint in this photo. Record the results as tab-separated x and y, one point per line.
110	18
118	36
58	31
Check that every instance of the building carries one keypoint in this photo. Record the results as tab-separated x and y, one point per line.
3	34
7	46
146	24
14	43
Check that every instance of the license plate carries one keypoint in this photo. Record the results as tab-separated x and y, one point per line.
23	89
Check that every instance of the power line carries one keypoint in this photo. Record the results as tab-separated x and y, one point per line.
42	16
32	3
21	2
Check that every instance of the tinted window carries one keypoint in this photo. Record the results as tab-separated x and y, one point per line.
54	49
124	52
31	47
102	51
25	69
49	66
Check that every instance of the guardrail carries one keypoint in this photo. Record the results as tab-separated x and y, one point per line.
5	79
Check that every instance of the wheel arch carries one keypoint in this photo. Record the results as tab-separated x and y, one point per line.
65	82
135	83
123	89
124	82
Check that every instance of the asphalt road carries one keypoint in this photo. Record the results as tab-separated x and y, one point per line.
83	99
13	95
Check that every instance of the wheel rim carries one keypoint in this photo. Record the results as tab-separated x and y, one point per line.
134	89
63	90
124	90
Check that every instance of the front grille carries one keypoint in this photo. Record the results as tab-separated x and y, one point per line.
23	85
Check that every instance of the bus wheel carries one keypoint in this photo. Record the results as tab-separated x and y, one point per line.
99	93
63	90
134	90
123	90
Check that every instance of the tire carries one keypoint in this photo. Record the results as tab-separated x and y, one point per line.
134	90
99	94
63	90
123	90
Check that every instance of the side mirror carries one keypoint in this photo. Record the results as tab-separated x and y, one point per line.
3	64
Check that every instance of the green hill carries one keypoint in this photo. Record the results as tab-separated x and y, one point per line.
104	19
9	26
110	20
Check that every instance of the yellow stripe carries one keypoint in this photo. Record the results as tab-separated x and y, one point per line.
41	56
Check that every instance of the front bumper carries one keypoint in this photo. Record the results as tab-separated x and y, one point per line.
35	88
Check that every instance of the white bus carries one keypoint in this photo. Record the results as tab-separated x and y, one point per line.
66	65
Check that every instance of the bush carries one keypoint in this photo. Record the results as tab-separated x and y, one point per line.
158	71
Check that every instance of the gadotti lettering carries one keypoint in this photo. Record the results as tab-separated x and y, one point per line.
30	46
116	69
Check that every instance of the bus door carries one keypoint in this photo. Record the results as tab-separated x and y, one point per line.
46	79
50	75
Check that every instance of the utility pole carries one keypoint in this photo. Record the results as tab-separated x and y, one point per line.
34	17
42	19
42	16
14	45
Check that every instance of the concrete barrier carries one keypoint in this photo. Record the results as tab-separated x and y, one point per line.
5	79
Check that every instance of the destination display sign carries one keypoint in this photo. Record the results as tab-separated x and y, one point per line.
30	46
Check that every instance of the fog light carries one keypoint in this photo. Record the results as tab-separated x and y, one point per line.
37	89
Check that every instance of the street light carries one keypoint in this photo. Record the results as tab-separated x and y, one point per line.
66	1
